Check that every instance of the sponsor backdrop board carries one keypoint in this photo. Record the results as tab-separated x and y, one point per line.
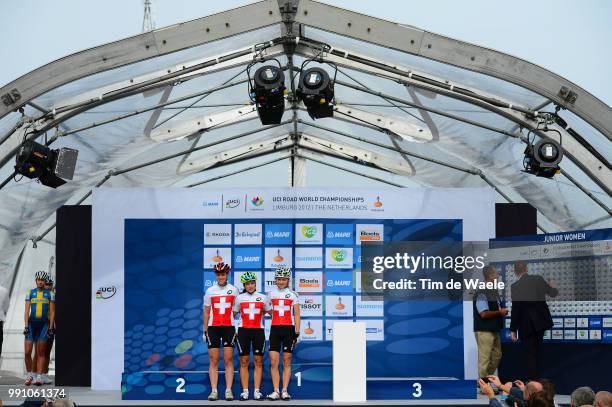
164	265
579	264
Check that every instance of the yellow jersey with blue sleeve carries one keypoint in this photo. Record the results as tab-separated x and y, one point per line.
40	303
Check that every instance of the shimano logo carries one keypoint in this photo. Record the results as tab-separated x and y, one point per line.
369	306
308	258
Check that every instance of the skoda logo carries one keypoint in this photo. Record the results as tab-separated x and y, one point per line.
229	291
287	295
258	299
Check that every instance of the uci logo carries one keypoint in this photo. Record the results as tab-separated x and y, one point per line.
105	293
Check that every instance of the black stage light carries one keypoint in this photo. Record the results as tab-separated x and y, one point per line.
316	90
37	161
543	158
268	93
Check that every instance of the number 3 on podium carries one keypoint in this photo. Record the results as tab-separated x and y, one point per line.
417	390
181	385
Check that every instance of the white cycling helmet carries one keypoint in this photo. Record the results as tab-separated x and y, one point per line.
42	275
282	272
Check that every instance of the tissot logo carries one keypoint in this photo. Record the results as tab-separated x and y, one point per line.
105	293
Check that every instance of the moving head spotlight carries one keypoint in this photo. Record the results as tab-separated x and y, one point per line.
316	90
37	161
543	158
268	93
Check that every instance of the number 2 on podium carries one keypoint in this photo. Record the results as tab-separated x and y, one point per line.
181	385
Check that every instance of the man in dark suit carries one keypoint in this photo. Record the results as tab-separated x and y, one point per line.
530	314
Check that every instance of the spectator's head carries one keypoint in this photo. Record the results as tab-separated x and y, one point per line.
490	273
603	399
520	268
540	399
581	396
548	387
532	388
61	403
49	282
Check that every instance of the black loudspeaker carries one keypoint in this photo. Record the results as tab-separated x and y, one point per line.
515	219
74	296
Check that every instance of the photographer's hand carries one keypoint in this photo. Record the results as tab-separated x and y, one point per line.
486	389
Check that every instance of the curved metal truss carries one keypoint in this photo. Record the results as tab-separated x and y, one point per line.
408	124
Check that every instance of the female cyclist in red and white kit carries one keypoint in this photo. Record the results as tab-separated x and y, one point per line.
285	330
219	329
252	306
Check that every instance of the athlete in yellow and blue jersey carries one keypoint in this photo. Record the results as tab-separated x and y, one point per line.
39	315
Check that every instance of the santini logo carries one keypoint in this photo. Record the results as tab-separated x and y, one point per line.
105	293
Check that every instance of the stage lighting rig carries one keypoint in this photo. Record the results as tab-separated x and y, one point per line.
37	161
543	158
267	91
316	90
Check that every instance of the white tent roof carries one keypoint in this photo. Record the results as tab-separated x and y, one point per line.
169	108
